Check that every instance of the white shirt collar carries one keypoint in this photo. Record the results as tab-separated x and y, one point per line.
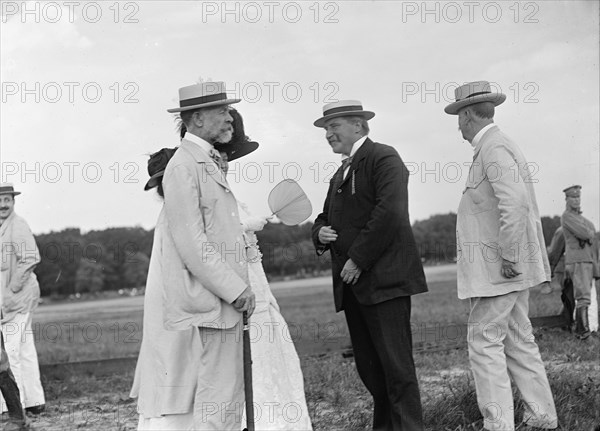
479	135
206	146
355	147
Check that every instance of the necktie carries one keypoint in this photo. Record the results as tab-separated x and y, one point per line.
340	174
215	155
345	164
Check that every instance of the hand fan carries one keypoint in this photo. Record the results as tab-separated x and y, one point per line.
289	203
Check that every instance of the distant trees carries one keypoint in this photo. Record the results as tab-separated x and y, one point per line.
436	238
288	250
118	258
110	259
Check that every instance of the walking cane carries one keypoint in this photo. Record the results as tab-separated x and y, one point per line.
248	376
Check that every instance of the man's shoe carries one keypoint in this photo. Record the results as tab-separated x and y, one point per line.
36	410
582	328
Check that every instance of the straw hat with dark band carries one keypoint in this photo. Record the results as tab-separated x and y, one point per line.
343	108
204	95
471	93
8	189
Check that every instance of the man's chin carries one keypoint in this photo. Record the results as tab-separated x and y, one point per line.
336	148
224	138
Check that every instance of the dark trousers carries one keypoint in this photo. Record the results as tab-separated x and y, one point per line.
382	344
568	299
8	386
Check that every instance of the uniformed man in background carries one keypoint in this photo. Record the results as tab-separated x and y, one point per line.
579	235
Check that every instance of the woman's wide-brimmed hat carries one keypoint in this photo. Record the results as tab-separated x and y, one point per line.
343	108
237	150
471	93
8	189
157	165
203	95
240	144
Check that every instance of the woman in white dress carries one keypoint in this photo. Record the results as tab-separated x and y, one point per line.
278	384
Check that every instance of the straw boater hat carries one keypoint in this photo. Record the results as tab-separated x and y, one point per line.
203	95
471	93
343	108
8	189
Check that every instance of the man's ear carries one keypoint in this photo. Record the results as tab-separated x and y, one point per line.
197	119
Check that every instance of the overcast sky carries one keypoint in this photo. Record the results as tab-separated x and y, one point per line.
86	86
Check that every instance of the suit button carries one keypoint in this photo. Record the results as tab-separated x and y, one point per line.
339	190
226	190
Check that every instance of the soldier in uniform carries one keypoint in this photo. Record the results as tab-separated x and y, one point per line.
579	234
556	257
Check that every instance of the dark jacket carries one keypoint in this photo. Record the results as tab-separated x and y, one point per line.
369	212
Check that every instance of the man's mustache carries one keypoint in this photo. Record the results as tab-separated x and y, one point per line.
3	208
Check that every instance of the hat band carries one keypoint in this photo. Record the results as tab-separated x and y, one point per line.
342	109
202	100
474	94
7	189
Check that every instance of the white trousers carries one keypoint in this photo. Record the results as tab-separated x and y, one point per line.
219	400
501	346
183	422
20	347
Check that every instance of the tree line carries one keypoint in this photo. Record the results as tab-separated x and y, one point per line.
118	258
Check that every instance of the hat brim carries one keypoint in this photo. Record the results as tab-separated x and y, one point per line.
495	98
367	115
205	105
235	151
10	193
153	181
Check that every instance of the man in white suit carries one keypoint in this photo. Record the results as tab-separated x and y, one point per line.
19	296
501	254
204	271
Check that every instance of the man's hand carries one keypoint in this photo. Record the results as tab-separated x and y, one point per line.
546	288
350	272
245	302
509	269
327	235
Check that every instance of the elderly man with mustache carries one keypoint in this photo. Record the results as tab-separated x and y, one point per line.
204	273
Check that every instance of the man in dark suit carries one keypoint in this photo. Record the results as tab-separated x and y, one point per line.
375	262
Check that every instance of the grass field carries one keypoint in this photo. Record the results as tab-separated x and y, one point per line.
112	328
336	397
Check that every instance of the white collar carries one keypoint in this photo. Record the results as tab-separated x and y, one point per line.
480	134
355	147
206	146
